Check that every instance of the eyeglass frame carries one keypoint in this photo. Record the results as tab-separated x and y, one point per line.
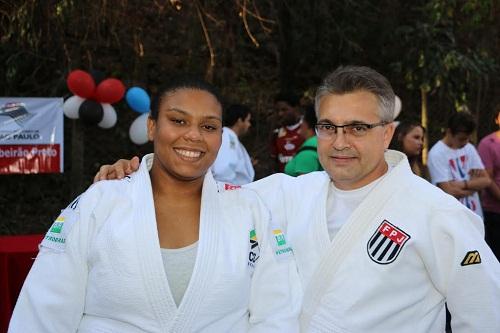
336	127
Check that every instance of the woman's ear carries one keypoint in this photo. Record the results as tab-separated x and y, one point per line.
151	128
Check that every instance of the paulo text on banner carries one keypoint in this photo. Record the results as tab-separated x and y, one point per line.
31	135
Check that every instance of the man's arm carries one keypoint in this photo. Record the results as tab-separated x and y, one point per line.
494	189
464	270
118	170
456	188
479	180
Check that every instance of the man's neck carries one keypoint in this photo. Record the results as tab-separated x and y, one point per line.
237	130
448	141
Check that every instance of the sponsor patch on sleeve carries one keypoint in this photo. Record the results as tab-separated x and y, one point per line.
471	258
55	238
254	250
281	248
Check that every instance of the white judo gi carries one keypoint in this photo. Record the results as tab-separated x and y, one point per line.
233	165
100	268
406	249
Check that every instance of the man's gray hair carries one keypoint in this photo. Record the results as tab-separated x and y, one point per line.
350	79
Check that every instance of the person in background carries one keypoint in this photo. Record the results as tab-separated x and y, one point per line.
233	165
306	159
286	140
489	150
167	249
409	139
455	165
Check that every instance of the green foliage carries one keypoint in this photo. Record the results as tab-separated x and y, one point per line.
444	48
450	48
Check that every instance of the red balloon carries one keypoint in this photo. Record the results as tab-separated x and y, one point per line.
81	83
110	91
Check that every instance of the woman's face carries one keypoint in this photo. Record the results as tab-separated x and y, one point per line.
187	134
413	141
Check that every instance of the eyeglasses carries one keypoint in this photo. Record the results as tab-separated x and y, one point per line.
329	131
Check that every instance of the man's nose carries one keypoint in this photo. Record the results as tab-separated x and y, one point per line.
340	141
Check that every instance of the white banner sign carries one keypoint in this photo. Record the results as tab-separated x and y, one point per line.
31	135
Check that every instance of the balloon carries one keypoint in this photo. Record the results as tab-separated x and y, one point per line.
139	130
81	83
109	116
110	91
71	106
138	99
91	112
397	106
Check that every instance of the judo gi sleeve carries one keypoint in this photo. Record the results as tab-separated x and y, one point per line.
53	295
464	269
225	164
275	298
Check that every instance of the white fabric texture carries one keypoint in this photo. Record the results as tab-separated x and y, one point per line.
178	265
447	164
348	291
233	164
109	276
340	205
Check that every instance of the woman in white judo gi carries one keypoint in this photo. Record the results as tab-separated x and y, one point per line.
167	249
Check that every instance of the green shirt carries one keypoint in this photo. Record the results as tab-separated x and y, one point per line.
306	159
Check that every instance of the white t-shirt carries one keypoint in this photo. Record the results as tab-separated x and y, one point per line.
340	204
446	164
233	164
179	265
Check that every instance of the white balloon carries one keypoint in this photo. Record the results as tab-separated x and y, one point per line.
72	105
397	106
138	131
109	116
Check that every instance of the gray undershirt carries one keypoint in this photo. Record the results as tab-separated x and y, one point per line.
179	265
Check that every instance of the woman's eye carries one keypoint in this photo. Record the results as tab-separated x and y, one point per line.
210	128
177	121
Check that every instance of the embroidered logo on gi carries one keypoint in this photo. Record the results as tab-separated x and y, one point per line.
254	253
471	258
230	187
281	248
386	243
56	237
57	225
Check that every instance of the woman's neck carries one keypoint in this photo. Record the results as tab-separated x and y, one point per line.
166	185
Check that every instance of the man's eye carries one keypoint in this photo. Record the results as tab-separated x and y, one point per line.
327	127
359	128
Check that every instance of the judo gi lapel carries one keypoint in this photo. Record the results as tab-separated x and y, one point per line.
349	235
171	318
205	265
154	277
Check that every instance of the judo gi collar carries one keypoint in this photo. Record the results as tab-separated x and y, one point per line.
169	317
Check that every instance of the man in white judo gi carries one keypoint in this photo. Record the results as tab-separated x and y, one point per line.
378	249
233	165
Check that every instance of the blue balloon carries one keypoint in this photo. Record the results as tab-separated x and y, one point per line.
138	99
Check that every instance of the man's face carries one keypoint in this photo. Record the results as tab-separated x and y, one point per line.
287	114
459	139
245	124
353	162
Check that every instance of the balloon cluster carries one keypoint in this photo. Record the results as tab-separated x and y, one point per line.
139	101
92	98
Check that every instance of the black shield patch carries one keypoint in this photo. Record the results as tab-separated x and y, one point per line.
386	243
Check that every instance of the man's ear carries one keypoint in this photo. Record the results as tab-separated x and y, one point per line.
151	128
388	133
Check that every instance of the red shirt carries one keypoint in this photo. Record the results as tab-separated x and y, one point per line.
286	142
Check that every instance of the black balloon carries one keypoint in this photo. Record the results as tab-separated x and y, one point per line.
97	75
91	112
